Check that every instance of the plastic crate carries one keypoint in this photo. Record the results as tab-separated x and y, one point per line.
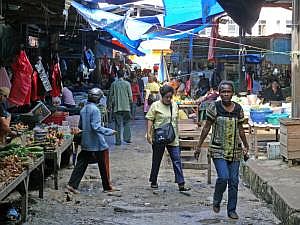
56	118
273	150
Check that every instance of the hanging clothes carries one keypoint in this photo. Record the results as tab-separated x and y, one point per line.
21	81
56	80
37	88
89	59
249	82
213	41
105	68
4	79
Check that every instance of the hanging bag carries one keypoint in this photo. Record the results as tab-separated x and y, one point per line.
165	134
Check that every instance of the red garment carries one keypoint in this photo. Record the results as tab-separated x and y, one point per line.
56	80
135	92
249	82
21	81
188	87
37	88
213	41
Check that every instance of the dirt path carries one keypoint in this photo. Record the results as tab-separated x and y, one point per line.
136	203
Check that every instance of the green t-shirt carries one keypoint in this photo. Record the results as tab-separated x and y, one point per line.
160	114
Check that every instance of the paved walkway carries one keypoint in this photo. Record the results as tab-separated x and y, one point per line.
277	184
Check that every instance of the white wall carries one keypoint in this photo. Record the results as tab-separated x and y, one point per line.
276	20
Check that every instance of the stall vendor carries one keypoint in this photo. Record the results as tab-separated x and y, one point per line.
273	93
4	115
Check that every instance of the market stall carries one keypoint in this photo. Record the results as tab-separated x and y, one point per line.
262	120
16	165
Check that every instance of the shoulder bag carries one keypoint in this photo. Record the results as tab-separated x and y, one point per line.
164	134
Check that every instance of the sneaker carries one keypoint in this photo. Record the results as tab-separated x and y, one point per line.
154	185
183	188
128	142
233	215
216	209
73	190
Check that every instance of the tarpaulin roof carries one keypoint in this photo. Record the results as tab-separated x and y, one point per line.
181	18
180	11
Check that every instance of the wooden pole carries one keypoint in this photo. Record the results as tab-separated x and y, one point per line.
190	69
242	66
295	60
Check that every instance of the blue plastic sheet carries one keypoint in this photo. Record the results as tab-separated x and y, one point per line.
180	11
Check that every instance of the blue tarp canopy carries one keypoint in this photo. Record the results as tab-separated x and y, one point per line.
181	11
132	31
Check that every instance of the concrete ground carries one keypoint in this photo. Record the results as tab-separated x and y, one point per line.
136	203
278	185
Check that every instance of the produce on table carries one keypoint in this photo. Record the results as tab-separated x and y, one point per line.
20	151
10	168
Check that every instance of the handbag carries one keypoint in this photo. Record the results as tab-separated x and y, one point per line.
164	134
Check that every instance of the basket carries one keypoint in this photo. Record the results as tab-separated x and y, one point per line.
56	118
259	116
274	118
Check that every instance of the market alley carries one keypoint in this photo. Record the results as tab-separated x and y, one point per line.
136	202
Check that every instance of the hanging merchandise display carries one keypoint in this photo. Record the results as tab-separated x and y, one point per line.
4	79
21	81
56	80
42	74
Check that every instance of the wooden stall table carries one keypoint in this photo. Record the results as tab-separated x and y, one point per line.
203	154
21	183
255	127
195	108
55	155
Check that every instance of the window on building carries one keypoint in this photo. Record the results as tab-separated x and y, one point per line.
262	24
289	26
231	27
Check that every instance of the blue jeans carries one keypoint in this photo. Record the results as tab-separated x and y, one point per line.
228	173
158	152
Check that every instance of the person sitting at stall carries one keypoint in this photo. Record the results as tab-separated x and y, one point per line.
4	114
203	87
273	93
210	96
68	98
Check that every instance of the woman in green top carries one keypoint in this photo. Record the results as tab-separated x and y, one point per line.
226	119
158	115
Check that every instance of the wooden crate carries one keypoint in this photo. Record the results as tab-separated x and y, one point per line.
290	139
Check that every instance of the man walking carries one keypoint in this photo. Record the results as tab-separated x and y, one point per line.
120	101
93	145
